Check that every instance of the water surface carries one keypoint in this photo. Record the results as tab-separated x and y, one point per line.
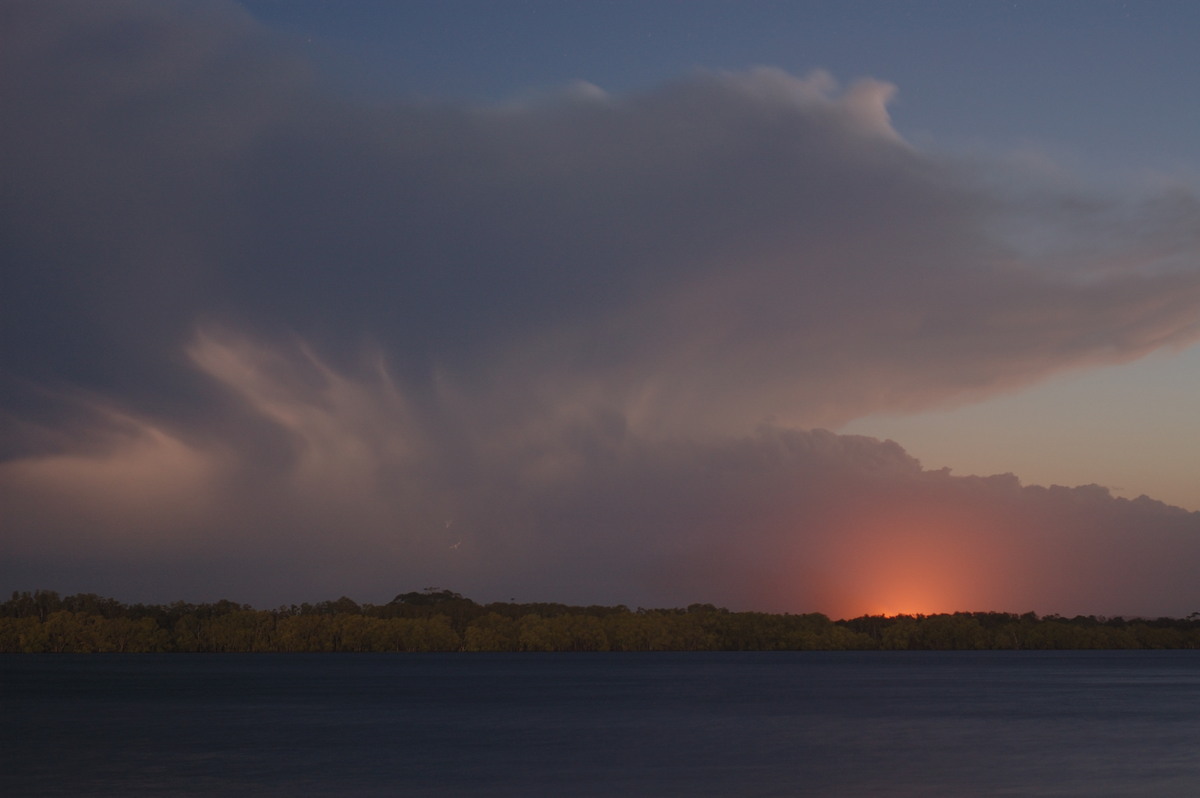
688	724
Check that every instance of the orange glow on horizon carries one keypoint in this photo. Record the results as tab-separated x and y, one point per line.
913	559
897	594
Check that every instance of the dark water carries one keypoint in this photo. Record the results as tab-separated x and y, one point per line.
779	724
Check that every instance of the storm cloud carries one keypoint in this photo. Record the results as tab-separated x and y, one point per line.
265	340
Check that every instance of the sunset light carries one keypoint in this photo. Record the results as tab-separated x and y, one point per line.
627	398
300	301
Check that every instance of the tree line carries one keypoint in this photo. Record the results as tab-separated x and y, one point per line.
442	620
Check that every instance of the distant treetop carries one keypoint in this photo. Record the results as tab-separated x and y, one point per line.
428	597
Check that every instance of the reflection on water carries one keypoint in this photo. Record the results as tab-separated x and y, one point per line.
716	724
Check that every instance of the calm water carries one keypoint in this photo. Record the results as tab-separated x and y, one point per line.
778	724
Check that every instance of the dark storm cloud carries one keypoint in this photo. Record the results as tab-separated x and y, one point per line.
244	318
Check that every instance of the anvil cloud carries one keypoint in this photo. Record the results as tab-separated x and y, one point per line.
266	341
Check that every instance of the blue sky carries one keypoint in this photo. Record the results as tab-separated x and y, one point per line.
843	307
1102	81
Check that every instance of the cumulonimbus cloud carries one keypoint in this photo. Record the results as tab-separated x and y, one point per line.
245	318
577	506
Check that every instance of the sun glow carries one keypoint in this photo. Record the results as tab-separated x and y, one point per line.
911	601
910	560
899	593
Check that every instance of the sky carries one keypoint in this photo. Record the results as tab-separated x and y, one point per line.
850	307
